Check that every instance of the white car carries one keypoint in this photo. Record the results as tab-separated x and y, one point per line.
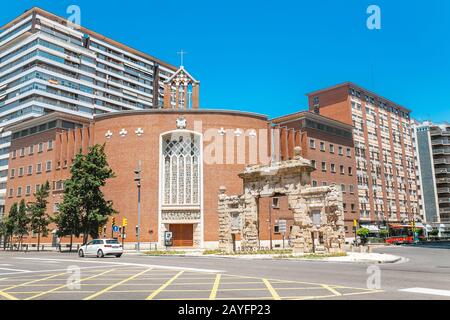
101	248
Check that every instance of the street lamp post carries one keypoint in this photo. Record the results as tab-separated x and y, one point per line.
137	178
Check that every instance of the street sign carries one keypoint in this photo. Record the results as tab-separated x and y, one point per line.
282	226
124	222
116	228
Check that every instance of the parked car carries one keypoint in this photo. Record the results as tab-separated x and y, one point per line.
101	248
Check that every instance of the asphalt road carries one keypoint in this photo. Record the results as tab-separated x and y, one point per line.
49	275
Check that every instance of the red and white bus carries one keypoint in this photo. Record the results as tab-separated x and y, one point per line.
403	233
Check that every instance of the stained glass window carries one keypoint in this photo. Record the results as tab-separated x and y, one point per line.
181	154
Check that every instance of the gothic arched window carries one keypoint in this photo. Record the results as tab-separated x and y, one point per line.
181	169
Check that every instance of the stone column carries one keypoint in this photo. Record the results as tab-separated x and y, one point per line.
225	238
250	230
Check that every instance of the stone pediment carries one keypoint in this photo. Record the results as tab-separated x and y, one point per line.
297	165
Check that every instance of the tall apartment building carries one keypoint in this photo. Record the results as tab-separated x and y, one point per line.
48	65
384	154
433	170
329	145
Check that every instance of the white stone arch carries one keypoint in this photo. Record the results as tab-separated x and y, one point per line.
186	210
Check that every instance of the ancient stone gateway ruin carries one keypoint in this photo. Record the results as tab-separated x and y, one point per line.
317	211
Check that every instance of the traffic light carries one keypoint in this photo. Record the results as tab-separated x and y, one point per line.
124	222
99	230
113	221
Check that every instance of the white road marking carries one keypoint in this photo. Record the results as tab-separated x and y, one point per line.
436	292
81	260
17	270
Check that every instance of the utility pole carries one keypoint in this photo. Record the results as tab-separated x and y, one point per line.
137	178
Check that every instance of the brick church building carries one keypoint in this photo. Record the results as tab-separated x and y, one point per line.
185	154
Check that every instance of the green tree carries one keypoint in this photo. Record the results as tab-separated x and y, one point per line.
21	222
84	208
9	223
39	219
3	231
68	218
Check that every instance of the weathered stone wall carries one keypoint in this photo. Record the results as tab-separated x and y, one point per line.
291	178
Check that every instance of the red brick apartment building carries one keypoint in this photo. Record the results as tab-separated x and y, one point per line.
383	148
329	145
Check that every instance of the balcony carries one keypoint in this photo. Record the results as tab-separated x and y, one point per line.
444	200
440	142
443	190
443	180
441	161
442	171
444	210
441	151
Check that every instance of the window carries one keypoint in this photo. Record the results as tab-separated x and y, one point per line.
30	170
313	163
276	202
13	172
40	147
48	166
39	168
28	190
312	143
58	185
19	191
11	192
352	207
314	183
341	151
342	170
324	166
20	172
331	148
324	183
14	153
349	152
50	145
351	188
322	146
316	217
350	171
181	169
276	229
343	187
333	168
31	150
37	187
22	152
55	207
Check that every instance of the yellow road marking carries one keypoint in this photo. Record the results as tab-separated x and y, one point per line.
213	294
116	285
25	284
7	296
335	292
271	289
165	285
63	286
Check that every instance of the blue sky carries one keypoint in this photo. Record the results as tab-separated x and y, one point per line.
263	56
